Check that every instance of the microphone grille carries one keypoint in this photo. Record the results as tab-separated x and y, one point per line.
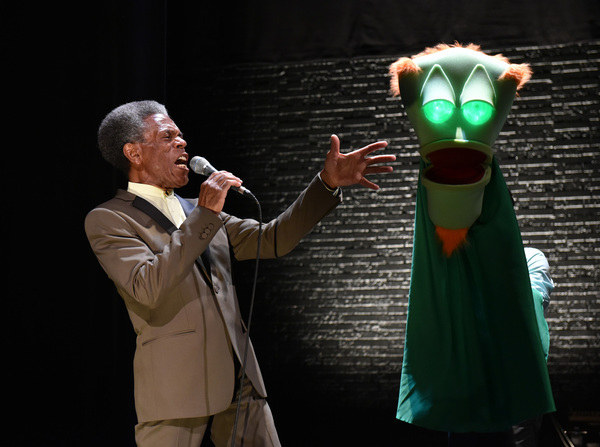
199	164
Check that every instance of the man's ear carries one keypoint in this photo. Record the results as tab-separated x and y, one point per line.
132	152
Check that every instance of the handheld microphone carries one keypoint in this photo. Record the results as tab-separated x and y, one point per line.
202	166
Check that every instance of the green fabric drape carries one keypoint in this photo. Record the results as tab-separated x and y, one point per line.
473	358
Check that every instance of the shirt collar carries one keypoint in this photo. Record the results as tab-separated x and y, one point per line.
169	205
144	190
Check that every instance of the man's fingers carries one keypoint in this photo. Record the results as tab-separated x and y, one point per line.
335	145
380	159
224	179
373	147
378	170
368	184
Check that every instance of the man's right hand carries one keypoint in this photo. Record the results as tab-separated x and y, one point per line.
213	191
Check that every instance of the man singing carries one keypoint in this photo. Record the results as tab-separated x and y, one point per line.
169	259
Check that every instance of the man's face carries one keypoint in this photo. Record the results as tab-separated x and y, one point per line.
163	157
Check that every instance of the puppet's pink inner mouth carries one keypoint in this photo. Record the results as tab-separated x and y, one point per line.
456	166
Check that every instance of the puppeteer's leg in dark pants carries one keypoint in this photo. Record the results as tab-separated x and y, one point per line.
527	433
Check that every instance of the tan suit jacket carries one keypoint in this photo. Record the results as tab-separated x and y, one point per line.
189	327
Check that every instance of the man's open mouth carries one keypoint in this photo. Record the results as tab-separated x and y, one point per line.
181	162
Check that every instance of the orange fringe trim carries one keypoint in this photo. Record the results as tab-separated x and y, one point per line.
451	239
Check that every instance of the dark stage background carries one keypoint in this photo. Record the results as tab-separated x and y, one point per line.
258	87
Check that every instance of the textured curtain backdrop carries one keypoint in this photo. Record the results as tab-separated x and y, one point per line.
275	31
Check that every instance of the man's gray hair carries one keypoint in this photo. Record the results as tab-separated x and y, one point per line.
123	125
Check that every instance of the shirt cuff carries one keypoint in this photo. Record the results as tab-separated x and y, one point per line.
336	192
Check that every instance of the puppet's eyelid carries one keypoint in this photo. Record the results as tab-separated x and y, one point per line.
437	87
478	87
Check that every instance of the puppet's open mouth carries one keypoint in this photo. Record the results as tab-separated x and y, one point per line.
457	164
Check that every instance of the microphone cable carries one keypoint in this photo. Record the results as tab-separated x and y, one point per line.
249	321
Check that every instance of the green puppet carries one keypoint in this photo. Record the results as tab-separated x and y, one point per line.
473	360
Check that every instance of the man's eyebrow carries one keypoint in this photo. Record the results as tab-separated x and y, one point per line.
171	130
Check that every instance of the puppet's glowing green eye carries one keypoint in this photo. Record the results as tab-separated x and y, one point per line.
438	111
477	112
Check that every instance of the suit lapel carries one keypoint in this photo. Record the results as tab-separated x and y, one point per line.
154	213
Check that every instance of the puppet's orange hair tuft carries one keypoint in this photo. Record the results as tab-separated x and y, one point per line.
451	239
399	68
520	73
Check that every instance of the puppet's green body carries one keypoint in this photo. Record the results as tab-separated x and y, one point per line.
473	360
